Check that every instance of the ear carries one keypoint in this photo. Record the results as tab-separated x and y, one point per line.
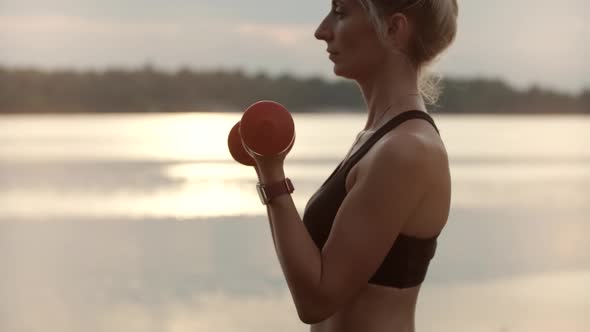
398	30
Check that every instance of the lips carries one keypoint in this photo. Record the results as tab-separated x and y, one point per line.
332	54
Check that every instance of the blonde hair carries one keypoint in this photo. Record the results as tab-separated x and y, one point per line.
435	23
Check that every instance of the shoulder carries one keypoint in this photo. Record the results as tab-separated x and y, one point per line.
399	160
412	152
399	157
414	147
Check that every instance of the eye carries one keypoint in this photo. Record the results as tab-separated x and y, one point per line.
336	12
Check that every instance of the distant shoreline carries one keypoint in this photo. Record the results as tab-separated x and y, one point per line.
146	90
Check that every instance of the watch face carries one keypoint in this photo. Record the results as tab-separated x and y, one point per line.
289	185
261	194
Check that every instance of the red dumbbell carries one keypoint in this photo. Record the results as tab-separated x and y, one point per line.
266	128
234	141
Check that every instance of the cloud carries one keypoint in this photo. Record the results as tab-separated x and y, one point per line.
291	36
51	25
525	44
541	44
73	41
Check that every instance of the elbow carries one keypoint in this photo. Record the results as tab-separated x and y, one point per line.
313	312
310	317
314	303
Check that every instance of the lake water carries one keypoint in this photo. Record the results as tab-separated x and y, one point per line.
143	222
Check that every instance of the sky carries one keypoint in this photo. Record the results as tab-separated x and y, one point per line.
524	42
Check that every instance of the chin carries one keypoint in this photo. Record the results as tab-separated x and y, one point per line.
342	72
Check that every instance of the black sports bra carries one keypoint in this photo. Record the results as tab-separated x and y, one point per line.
407	262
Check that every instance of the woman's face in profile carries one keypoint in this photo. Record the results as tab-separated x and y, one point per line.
351	40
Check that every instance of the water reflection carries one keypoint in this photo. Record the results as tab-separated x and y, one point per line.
223	275
149	226
122	188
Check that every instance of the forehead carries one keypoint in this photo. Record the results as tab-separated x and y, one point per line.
348	3
342	2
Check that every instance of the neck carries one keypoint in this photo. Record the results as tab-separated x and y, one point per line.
390	90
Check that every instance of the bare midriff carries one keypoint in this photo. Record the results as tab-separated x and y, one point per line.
375	309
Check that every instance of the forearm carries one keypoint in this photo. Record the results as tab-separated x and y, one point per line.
299	257
268	212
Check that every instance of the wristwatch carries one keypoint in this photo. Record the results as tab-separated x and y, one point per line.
268	191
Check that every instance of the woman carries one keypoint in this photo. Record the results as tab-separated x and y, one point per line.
357	258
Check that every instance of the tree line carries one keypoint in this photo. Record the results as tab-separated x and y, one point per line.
149	90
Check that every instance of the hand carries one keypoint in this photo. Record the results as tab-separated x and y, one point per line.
269	162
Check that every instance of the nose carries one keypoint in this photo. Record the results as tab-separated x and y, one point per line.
323	32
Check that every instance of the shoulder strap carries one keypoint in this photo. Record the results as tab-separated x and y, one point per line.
390	125
399	119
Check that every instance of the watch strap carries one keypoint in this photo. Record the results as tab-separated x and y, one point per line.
268	191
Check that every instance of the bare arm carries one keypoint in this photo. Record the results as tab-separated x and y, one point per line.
298	255
365	227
